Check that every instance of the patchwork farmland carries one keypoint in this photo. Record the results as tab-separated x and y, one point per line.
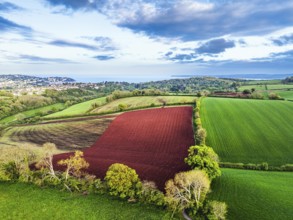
154	142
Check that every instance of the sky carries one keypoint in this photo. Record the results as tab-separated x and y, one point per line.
145	39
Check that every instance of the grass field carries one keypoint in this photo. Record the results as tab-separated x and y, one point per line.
254	82
78	109
257	195
249	131
66	135
142	101
249	87
286	94
23	201
33	112
268	87
280	86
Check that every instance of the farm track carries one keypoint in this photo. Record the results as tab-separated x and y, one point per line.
154	142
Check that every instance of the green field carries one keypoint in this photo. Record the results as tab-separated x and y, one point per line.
33	112
286	94
280	86
249	87
249	131
78	109
143	101
257	195
254	82
23	201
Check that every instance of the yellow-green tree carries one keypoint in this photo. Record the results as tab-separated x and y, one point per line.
74	164
122	181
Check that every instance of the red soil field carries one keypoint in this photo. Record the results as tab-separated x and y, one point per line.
154	142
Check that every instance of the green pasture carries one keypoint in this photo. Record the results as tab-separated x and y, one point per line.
78	109
286	94
33	112
255	82
260	195
266	87
249	131
249	87
143	101
23	201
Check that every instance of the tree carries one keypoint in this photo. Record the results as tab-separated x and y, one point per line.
204	158
246	92
162	101
47	161
74	164
187	191
122	181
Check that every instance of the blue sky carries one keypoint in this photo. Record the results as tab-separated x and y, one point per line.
145	39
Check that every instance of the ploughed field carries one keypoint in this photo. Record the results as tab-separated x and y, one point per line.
249	131
154	142
67	134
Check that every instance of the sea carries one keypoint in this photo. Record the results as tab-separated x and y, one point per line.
159	77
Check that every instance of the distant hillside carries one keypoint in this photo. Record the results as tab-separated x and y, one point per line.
33	80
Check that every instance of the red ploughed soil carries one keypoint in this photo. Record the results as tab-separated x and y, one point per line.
154	142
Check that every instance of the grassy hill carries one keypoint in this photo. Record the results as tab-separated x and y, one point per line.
255	194
78	109
249	131
33	112
143	101
23	201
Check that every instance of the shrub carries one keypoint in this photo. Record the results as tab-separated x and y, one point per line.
287	167
250	166
10	171
150	194
216	210
203	158
263	166
274	96
122	107
122	181
200	136
231	165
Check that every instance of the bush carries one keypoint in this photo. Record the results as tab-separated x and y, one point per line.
122	181
216	210
10	171
250	166
263	166
122	107
204	158
231	165
200	136
151	195
287	167
274	96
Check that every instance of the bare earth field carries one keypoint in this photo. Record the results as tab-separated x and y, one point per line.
154	142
